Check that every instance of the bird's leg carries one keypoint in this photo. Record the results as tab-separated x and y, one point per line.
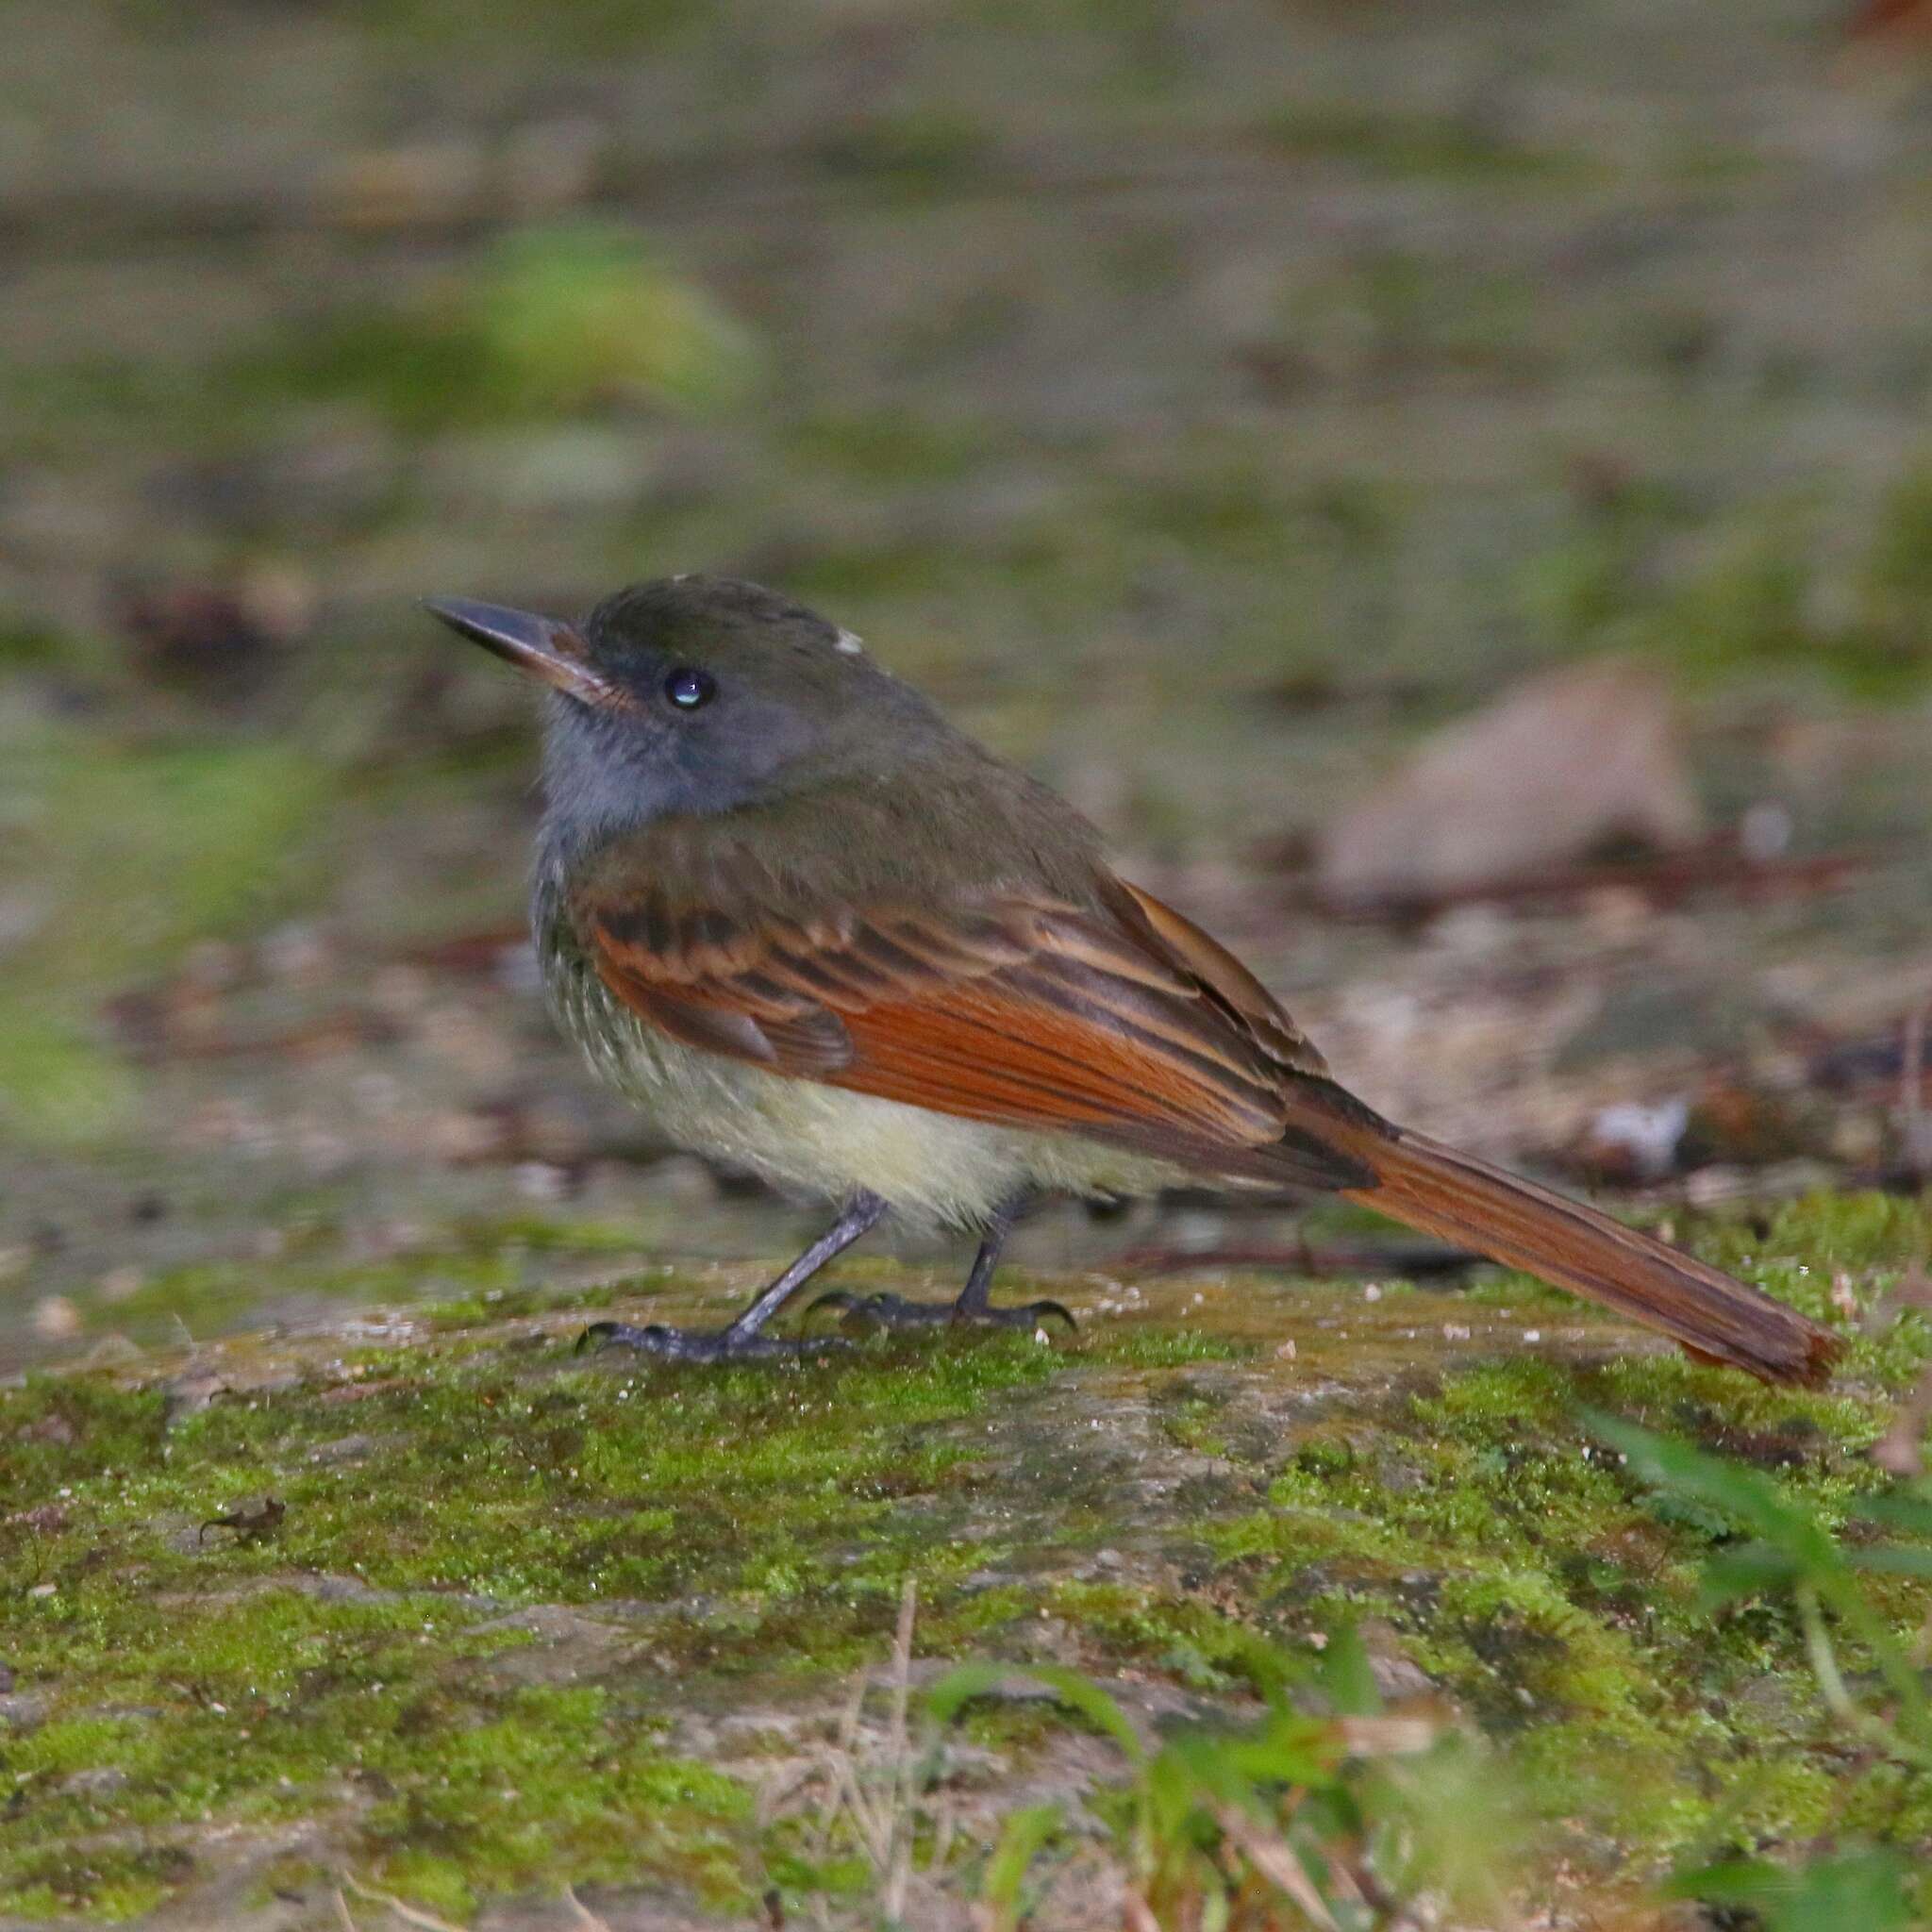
742	1340
973	1306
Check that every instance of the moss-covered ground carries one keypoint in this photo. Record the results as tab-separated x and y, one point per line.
528	1618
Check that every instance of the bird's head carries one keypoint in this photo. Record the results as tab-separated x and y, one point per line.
699	694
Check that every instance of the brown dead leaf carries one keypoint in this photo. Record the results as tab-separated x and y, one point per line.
1561	767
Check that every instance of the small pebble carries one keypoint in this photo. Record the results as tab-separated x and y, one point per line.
56	1318
121	1283
538	1180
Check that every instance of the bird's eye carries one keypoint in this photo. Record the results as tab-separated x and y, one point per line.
688	688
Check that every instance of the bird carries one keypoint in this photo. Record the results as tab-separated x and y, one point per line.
823	936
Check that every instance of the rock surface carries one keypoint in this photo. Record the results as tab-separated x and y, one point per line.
566	1620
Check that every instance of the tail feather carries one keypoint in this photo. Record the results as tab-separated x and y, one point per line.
1461	1199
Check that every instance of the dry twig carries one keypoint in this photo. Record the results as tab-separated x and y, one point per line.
408	1914
1274	1858
588	1920
875	1795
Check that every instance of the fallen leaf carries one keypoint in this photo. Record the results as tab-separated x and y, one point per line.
1565	766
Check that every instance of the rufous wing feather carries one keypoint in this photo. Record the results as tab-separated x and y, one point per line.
1121	1020
1027	1011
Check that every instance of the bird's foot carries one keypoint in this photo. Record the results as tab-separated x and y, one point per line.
893	1312
702	1344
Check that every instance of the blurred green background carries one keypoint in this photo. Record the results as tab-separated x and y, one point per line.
1205	402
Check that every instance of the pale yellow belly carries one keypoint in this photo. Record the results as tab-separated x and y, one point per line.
808	1138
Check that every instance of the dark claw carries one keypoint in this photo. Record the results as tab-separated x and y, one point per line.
602	1335
832	1298
1034	1313
698	1344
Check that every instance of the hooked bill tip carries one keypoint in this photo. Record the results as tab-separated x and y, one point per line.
546	647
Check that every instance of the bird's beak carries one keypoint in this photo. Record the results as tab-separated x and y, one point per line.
546	648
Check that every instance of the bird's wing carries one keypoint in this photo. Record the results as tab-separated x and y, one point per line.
1118	1019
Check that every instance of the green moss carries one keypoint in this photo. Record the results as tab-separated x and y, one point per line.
840	576
746	1534
1166	1348
913	154
221	826
549	1782
209	1298
1528	1577
767	1515
1750	605
1898	589
1753	608
44	406
555	321
479	1273
547	1235
1194	1641
1399	308
1422	147
887	447
111	1883
580	27
1232	513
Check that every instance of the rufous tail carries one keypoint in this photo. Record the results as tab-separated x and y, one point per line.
1461	1199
